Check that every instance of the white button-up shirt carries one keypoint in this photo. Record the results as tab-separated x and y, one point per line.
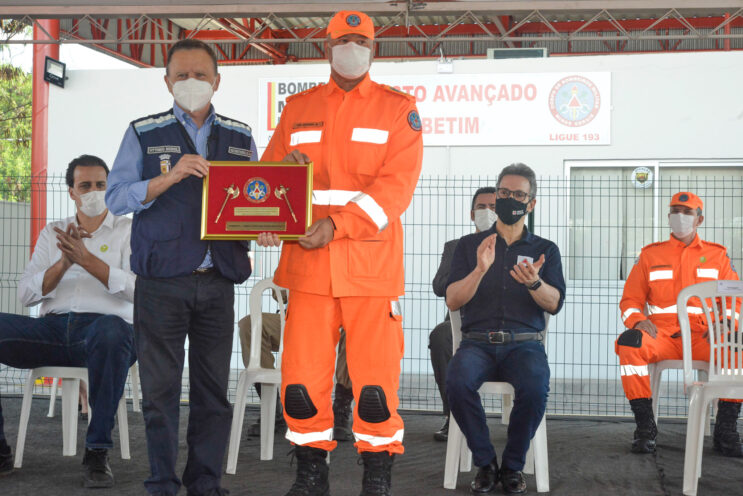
79	291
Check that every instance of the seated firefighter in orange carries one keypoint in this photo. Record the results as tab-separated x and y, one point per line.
662	270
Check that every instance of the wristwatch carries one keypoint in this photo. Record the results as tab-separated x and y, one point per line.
535	286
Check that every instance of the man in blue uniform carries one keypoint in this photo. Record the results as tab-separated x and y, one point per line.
503	279
184	286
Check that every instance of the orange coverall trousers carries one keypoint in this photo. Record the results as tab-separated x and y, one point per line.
374	348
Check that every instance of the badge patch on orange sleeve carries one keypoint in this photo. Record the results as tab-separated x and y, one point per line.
414	120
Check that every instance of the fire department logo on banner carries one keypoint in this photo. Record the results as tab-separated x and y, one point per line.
642	177
256	190
574	101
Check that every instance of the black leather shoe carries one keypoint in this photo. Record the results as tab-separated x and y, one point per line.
443	433
97	472
312	472
6	461
486	479
513	481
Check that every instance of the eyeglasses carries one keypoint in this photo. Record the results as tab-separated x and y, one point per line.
517	195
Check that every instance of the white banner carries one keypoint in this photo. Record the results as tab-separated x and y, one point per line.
483	109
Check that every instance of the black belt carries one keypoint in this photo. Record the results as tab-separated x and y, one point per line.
206	270
503	337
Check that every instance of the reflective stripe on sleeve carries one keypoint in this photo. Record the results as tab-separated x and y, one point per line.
300	137
708	273
629	312
363	134
633	370
372	209
661	274
337	197
653	310
340	197
309	437
378	440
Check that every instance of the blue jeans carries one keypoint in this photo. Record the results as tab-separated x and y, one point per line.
102	343
524	366
166	312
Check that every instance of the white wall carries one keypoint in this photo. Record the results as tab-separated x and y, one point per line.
685	105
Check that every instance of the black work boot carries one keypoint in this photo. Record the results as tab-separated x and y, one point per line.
312	472
726	437
342	412
97	472
6	458
377	479
486	479
646	431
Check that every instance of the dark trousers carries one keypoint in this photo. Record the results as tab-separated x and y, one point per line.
524	366
439	342
102	343
166	312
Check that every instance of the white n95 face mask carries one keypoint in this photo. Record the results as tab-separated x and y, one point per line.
351	60
192	94
681	224
484	219
93	203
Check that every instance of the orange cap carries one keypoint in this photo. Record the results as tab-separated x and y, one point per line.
348	22
686	199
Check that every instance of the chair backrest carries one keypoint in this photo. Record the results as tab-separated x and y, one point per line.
456	328
256	320
721	304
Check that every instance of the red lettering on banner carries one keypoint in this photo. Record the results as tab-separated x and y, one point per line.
530	92
451	125
564	137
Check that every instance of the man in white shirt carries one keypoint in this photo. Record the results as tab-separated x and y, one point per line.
79	272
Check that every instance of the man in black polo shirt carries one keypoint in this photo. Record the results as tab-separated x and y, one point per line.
503	280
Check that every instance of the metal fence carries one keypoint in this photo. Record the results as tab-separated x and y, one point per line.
600	222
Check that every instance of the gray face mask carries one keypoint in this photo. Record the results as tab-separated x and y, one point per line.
681	224
484	219
93	203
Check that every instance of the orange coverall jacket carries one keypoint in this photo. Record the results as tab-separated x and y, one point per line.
366	148
662	271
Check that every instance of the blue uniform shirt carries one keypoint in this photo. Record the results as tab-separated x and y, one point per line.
500	302
126	188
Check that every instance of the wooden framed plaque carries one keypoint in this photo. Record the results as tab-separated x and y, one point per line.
243	199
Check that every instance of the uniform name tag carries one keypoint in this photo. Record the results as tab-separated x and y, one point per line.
154	150
242	152
522	258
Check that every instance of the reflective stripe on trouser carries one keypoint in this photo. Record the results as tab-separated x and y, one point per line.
374	349
633	362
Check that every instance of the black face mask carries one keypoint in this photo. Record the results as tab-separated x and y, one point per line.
509	210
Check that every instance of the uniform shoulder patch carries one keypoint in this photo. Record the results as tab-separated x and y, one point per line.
397	92
414	120
305	92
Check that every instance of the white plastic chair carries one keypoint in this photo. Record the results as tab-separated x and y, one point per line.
655	372
269	379
70	392
459	457
133	382
721	302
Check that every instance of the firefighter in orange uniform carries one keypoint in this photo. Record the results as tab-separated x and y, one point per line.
660	273
365	142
